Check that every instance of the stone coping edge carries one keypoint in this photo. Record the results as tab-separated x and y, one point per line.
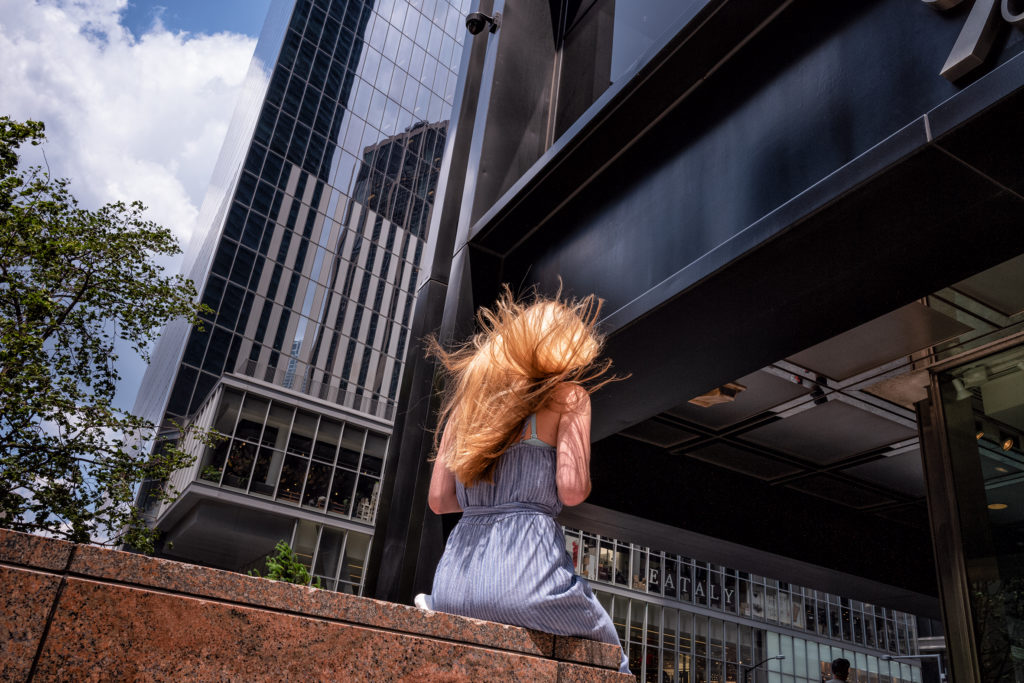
130	569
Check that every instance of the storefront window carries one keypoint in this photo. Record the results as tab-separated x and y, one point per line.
663	641
685	662
606	561
686	581
700	648
636	635
700	583
798	608
639	569
669	646
654	576
588	570
652	637
622	564
671	577
729	591
756	597
715	588
620	613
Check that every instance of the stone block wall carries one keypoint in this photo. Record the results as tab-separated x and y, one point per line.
81	613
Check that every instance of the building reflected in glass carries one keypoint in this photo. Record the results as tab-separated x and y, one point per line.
308	252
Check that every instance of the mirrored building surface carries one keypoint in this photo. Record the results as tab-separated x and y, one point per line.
308	252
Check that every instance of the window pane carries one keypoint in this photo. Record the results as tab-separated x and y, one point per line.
239	465
280	419
254	412
328	556
351	446
293	474
317	482
355	557
341	491
301	440
366	498
227	413
268	467
654	577
305	542
213	461
606	561
327	439
373	457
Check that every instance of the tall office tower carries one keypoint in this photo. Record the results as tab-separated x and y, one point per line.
312	236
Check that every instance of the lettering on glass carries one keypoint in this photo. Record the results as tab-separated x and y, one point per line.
978	34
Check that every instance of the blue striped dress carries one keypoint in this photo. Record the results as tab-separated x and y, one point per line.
505	561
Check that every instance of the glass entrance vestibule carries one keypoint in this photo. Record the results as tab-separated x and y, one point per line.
972	427
684	620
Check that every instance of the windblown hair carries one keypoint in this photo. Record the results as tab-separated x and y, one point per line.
510	369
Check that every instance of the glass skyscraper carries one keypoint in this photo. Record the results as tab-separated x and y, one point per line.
308	251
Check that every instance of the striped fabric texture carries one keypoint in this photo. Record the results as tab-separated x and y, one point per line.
505	561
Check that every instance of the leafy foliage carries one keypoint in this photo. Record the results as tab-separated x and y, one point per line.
283	565
73	282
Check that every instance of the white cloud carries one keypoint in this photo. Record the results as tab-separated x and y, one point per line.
126	119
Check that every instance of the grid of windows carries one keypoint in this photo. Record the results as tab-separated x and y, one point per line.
666	642
278	451
312	278
758	598
335	558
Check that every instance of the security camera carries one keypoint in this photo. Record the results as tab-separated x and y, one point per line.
478	21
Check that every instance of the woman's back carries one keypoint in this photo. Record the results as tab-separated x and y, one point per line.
524	475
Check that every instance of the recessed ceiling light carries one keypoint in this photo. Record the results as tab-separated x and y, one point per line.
1002	469
997	506
1008	444
979	435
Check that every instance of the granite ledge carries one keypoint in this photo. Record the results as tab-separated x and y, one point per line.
589	652
166	575
139	570
36	552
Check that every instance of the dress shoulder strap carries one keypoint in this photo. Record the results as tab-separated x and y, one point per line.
532	439
532	421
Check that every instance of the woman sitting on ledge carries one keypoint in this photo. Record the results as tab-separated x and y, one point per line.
515	449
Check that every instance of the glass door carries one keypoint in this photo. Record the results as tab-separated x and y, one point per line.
972	428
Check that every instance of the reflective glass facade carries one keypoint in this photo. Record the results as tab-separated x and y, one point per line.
316	222
681	619
295	456
317	251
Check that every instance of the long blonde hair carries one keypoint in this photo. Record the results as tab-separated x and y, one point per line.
510	369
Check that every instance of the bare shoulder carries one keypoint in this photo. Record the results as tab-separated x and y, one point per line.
569	396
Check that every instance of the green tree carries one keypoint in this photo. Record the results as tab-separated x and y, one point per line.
283	565
73	282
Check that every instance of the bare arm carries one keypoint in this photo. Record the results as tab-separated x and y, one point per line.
572	477
442	498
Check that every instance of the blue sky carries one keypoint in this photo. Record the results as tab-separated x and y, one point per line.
196	16
136	96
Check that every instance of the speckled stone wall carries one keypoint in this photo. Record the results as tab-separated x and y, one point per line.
80	613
